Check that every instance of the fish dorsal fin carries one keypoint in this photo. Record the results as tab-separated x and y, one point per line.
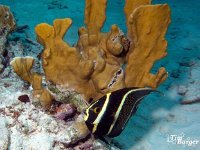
127	108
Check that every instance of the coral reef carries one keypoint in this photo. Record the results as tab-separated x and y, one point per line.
15	41
159	116
95	65
7	24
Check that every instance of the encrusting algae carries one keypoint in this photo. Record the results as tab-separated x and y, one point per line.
7	25
95	65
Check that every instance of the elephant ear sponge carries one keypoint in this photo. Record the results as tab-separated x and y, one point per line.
149	24
62	63
22	67
129	8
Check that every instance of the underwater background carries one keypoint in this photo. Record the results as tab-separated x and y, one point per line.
158	117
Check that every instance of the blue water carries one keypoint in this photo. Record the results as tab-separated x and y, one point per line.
158	117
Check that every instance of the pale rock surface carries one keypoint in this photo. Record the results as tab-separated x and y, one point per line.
27	127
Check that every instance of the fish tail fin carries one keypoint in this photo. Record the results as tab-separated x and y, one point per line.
159	92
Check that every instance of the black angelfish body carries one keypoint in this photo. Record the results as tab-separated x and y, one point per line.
109	115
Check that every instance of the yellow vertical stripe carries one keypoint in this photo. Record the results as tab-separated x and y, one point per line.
132	109
100	115
87	111
120	107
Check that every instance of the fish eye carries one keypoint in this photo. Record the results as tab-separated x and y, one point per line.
97	109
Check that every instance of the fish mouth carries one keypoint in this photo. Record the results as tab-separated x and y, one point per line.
115	78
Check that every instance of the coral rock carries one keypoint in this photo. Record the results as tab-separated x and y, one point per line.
82	129
7	24
65	111
24	98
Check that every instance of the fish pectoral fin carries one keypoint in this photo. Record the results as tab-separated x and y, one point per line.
106	140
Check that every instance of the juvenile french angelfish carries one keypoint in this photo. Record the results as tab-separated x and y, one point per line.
109	115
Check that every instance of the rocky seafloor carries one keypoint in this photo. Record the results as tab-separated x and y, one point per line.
24	126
